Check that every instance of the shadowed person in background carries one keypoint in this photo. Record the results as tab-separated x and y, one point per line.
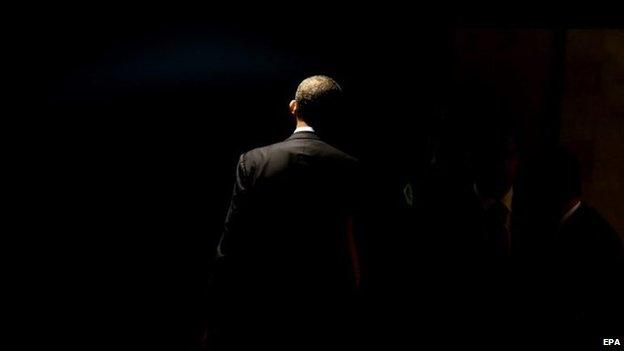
495	164
287	262
588	257
568	282
460	217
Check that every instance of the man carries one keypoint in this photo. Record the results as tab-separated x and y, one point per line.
589	255
496	165
287	257
570	267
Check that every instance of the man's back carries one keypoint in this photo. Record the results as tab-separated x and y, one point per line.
287	222
285	259
287	256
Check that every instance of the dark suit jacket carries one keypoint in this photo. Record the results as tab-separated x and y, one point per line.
588	239
285	250
588	261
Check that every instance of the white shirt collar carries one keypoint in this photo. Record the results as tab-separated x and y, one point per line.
486	202
304	129
571	212
508	198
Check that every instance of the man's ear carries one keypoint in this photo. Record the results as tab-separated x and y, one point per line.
293	106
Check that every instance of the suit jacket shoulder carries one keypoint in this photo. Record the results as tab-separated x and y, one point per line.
591	232
269	160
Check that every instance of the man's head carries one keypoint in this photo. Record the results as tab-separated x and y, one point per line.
317	98
566	177
496	164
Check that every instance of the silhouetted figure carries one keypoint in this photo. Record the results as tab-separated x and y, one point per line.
588	254
569	278
287	262
458	238
495	164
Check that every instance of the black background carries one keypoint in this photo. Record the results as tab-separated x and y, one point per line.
133	121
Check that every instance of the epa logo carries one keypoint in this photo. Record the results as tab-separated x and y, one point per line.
611	342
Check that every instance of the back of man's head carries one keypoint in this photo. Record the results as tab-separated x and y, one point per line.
567	171
318	97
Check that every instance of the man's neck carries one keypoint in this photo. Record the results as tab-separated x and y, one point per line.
303	127
302	124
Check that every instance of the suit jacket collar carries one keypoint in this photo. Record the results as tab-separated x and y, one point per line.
572	211
575	219
303	135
